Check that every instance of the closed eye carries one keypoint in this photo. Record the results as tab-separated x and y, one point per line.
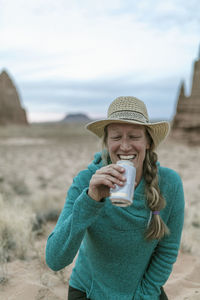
135	137
115	138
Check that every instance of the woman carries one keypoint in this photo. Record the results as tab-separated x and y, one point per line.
124	253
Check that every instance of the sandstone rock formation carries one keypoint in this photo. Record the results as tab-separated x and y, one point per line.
11	111
186	123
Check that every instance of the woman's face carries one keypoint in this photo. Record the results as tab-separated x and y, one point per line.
128	141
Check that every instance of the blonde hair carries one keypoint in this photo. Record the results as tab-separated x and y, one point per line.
156	229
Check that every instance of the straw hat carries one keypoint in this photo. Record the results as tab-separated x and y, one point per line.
130	110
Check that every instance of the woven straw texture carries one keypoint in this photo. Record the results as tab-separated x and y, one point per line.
128	104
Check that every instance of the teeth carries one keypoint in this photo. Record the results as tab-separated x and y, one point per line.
127	156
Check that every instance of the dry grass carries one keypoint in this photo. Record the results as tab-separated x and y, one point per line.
38	163
16	223
185	160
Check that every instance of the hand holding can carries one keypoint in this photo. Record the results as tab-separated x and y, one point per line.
123	195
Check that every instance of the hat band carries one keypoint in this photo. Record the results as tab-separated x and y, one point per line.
129	115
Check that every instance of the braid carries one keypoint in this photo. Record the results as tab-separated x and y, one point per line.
157	228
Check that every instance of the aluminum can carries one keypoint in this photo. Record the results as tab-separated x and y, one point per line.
123	195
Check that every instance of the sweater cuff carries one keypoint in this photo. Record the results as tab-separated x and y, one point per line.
140	296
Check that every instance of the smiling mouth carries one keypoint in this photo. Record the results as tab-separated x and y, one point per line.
127	157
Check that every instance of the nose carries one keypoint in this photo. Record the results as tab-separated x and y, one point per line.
125	145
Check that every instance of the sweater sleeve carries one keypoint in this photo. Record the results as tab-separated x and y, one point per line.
79	212
165	254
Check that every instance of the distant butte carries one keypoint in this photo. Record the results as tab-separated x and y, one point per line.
11	111
76	118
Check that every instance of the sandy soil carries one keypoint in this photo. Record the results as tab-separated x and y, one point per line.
29	281
184	282
45	186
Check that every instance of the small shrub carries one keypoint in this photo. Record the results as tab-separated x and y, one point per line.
19	187
42	218
52	215
15	231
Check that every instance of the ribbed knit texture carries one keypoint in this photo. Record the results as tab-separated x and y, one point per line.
115	262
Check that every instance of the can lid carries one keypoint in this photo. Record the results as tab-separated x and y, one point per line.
125	162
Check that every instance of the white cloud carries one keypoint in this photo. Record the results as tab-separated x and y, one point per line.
88	40
77	42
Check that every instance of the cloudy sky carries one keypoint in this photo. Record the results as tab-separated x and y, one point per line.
70	56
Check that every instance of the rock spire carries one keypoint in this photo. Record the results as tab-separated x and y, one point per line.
11	111
186	122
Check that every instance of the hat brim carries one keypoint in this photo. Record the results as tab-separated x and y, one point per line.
158	130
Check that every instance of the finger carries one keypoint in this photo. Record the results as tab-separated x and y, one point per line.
108	180
110	167
113	170
98	183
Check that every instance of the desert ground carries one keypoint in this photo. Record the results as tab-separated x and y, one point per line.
37	165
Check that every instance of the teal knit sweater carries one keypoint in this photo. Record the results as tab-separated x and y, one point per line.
115	262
